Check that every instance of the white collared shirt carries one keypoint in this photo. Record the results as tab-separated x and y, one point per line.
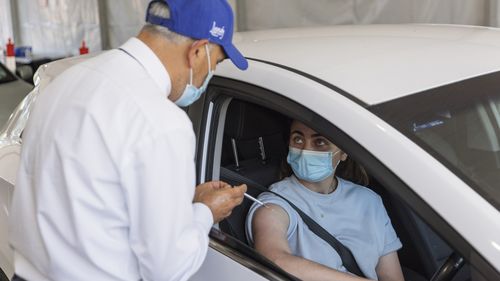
107	177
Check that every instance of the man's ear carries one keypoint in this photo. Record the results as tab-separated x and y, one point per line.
196	53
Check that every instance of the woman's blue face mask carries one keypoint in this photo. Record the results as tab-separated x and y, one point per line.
311	166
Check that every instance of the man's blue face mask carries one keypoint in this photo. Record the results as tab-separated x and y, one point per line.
311	166
191	93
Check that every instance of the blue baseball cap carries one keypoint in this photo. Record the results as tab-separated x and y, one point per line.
202	19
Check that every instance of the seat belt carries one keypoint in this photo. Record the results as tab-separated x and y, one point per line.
345	254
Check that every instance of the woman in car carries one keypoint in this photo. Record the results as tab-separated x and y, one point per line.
353	214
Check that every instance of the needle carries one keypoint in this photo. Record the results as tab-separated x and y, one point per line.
254	200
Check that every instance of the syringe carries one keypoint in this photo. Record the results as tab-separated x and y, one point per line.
254	199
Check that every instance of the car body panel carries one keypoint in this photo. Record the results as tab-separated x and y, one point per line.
11	94
219	267
9	161
387	61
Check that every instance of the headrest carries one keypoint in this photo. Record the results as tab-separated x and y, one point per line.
245	121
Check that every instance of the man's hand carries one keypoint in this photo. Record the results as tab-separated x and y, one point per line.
220	197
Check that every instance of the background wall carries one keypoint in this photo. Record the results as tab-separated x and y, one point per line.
261	14
56	27
121	27
5	21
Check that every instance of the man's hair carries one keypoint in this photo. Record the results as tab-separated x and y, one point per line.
161	9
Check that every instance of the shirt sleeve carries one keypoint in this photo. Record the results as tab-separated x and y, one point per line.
269	198
168	232
391	242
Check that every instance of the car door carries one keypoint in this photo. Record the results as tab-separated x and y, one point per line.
227	257
9	159
343	118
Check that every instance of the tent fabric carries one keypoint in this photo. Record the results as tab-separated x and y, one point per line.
260	14
121	27
5	24
57	27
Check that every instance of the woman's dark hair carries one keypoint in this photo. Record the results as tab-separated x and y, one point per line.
352	171
348	169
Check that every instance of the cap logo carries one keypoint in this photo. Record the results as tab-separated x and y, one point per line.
217	32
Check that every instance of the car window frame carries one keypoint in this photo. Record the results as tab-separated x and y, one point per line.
207	116
220	89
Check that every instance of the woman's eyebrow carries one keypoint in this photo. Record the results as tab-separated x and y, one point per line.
316	135
297	132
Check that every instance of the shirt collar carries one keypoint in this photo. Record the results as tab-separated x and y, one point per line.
331	197
151	63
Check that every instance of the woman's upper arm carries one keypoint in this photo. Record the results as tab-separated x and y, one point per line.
269	231
389	268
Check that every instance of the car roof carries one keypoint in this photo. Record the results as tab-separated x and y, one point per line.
378	63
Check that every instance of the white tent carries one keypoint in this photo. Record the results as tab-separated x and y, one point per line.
56	28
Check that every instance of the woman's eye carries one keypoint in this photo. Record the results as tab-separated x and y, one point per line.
297	140
320	142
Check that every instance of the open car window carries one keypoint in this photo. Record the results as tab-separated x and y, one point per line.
249	140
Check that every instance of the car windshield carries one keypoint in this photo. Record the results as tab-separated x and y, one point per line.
459	124
5	75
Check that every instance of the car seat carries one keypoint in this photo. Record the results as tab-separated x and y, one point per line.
253	146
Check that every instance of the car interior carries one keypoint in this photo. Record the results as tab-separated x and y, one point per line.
254	147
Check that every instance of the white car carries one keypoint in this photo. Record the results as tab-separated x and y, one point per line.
417	105
12	91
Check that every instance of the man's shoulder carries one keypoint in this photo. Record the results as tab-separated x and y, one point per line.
160	112
115	66
112	85
107	70
134	87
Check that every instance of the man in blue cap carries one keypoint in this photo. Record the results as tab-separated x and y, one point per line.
195	34
106	187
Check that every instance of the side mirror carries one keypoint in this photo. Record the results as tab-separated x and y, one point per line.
25	72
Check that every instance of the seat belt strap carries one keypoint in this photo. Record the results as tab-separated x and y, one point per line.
345	254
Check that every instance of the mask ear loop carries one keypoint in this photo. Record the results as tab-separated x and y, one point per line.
191	70
338	162
209	65
336	165
208	56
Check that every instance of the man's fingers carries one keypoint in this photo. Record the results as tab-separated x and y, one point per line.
235	195
238	196
240	188
214	185
238	200
217	184
223	185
